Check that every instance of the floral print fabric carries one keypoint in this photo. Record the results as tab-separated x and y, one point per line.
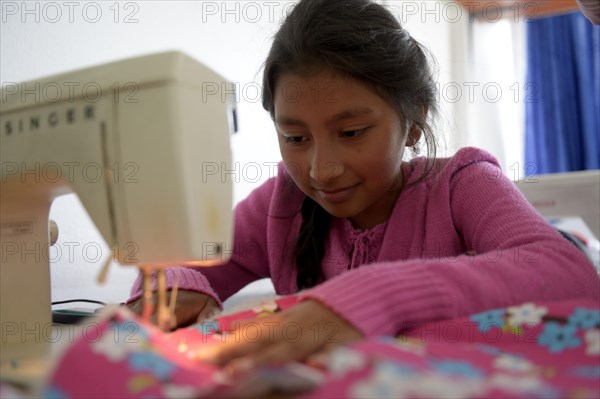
535	350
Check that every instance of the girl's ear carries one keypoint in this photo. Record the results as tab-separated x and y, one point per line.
414	135
415	132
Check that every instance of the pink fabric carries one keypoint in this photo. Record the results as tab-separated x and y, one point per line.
463	241
534	350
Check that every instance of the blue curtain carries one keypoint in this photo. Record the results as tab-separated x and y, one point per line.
562	111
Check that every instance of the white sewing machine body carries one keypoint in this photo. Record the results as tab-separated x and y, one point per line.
566	195
133	146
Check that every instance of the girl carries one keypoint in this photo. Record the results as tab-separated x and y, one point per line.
373	245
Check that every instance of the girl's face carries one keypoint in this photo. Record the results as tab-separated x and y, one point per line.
342	145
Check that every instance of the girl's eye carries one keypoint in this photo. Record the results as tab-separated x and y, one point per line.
295	139
353	133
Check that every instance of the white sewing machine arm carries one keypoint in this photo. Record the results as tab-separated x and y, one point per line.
141	142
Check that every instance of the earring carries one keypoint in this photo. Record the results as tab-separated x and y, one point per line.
415	149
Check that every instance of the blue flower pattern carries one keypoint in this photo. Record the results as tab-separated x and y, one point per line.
486	320
557	337
584	318
158	366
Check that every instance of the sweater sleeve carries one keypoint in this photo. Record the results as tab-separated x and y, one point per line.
248	257
513	256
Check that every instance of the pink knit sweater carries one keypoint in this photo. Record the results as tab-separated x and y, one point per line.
463	241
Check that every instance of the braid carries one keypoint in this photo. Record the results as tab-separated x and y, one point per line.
310	244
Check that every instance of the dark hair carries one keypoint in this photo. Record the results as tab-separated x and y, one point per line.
363	40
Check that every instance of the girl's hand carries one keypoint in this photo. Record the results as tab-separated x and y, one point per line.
292	335
191	307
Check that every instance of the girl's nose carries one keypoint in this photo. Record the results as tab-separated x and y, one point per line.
326	165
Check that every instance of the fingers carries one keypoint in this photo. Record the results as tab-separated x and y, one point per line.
275	354
261	342
292	335
236	344
191	307
208	311
194	309
137	308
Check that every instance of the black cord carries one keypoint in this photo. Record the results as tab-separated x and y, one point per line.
78	300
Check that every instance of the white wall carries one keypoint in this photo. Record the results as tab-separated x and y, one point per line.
233	37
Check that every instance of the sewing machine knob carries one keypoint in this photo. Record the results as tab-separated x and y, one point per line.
53	228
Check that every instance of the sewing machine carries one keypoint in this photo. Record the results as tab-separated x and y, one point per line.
570	202
571	194
139	141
